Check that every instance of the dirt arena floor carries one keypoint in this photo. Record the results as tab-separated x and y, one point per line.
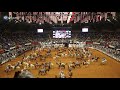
94	70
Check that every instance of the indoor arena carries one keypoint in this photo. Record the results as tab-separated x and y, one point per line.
59	45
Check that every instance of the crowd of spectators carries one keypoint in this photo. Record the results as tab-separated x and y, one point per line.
14	44
107	42
109	51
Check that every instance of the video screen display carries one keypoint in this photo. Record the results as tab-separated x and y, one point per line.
84	29
40	30
62	34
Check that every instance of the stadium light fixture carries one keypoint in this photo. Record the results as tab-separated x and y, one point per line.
5	17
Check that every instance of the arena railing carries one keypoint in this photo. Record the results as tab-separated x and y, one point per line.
118	59
13	57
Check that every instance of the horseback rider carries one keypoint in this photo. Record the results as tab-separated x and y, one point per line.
70	74
61	74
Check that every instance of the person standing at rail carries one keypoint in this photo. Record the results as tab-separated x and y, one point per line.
70	74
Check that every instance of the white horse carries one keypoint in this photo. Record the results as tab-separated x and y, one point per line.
12	67
32	66
26	64
17	67
103	61
61	65
26	58
8	68
63	55
66	55
71	65
62	75
51	65
19	63
88	62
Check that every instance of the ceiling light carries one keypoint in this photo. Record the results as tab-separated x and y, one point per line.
5	17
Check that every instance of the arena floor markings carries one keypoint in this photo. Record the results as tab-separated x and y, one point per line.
94	70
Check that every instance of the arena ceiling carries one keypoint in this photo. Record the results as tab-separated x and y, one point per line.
60	17
76	20
41	17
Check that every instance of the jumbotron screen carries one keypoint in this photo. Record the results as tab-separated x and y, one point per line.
62	34
40	30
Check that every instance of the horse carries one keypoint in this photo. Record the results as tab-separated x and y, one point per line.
26	64
32	66
71	55
48	55
42	71
62	75
71	66
103	62
62	54
18	63
61	65
43	58
7	69
96	59
12	67
77	63
49	64
78	58
16	67
56	58
93	59
37	65
70	74
86	63
66	55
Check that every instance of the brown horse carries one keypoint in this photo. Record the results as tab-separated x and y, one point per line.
61	65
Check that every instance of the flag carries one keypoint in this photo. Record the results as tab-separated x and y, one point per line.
97	18
102	16
113	14
86	19
89	17
45	19
48	19
23	18
93	19
74	19
30	18
38	20
105	16
78	18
